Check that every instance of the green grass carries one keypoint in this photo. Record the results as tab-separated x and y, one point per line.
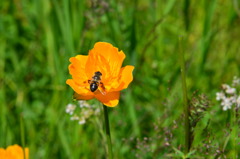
37	38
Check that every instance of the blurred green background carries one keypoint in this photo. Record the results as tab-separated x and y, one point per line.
37	38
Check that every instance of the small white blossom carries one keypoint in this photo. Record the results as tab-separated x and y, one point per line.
236	81
75	117
84	112
220	95
238	101
230	90
226	103
82	121
225	86
229	96
233	99
83	103
70	108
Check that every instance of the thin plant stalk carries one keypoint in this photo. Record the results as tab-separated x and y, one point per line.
22	135
108	134
234	132
185	100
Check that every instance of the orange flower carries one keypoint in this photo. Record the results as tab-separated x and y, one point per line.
13	152
99	75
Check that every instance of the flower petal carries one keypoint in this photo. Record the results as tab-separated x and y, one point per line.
125	78
96	63
111	99
15	151
77	68
81	90
83	97
111	63
3	153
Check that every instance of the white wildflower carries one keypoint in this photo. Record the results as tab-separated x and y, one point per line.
87	113
236	81
238	101
84	112
230	90
233	99
70	108
75	117
82	121
229	96
225	86
227	104
220	96
83	103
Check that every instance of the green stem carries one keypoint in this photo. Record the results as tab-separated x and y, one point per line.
185	100
22	135
186	13
234	132
109	142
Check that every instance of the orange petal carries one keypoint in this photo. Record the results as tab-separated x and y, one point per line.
78	89
111	99
17	152
125	78
2	150
96	63
112	58
82	97
77	68
79	61
3	153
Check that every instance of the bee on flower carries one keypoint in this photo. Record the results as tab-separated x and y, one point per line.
100	75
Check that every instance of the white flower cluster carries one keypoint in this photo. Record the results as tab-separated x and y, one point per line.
229	96
86	111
